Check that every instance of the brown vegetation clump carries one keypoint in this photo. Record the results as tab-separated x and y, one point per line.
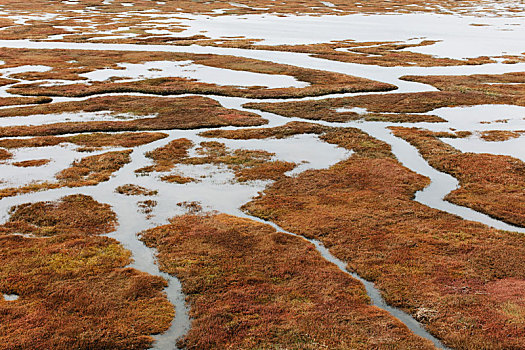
32	163
278	132
436	266
4	81
265	171
161	113
246	164
386	54
106	13
107	17
489	183
88	171
5	154
500	135
146	207
96	140
191	207
387	107
14	101
322	83
166	157
33	31
76	214
135	190
75	293
73	63
508	84
470	90
250	287
179	179
92	170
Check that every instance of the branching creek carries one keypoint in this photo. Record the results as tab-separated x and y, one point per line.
217	191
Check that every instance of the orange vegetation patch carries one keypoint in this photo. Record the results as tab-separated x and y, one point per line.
492	184
179	179
105	12
32	163
386	54
4	154
167	156
388	107
75	293
96	140
107	16
500	135
264	171
88	171
13	101
278	132
162	114
71	63
76	214
508	84
33	31
4	82
246	164
250	287
322	83
399	108
146	207
92	170
191	207
432	264
135	190
508	290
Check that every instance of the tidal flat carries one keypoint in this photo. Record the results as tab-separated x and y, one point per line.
262	175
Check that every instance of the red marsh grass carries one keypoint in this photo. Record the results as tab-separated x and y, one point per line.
491	184
250	287
191	207
252	6
5	81
179	179
92	170
34	31
385	107
166	157
88	171
5	154
13	101
32	163
508	84
73	287
436	266
322	83
75	293
71	63
75	214
162	114
386	54
135	190
106	14
246	164
96	140
500	135
278	132
147	206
